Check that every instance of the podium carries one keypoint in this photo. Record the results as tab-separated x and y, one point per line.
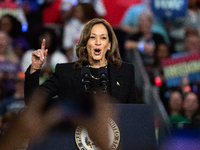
135	124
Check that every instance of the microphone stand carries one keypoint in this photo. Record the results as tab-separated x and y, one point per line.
103	78
85	72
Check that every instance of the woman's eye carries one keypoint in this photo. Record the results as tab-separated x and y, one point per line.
92	37
103	37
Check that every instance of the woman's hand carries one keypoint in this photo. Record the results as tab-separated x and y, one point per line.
39	57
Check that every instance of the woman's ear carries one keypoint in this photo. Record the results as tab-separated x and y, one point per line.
109	45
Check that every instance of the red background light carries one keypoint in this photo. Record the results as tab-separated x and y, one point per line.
158	81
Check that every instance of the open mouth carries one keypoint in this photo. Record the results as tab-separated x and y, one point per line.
97	51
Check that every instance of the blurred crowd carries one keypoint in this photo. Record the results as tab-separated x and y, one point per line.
60	22
158	39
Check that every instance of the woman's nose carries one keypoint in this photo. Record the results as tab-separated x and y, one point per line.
98	41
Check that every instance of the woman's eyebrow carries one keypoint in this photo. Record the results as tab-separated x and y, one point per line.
96	34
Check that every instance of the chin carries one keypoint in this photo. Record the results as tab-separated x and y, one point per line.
97	58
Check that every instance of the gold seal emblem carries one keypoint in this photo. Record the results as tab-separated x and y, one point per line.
85	143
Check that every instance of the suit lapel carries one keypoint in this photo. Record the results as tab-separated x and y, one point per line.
116	81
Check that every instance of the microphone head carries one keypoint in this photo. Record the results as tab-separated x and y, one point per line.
103	74
85	73
102	71
85	70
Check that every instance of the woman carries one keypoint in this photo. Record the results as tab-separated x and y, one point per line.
97	49
175	103
13	28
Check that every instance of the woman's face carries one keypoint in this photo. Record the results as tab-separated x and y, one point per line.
193	43
6	24
163	51
175	101
79	12
145	23
191	102
98	43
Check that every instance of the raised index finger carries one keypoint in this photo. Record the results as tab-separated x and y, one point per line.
43	45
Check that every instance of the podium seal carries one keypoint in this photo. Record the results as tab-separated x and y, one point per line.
83	141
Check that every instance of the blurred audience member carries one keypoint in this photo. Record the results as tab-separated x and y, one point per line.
193	14
181	25
54	53
11	7
72	29
189	107
161	52
6	53
174	103
12	26
130	20
190	104
9	65
14	103
192	43
145	40
68	7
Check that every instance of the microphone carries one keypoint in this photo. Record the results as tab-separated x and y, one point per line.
103	78
85	73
